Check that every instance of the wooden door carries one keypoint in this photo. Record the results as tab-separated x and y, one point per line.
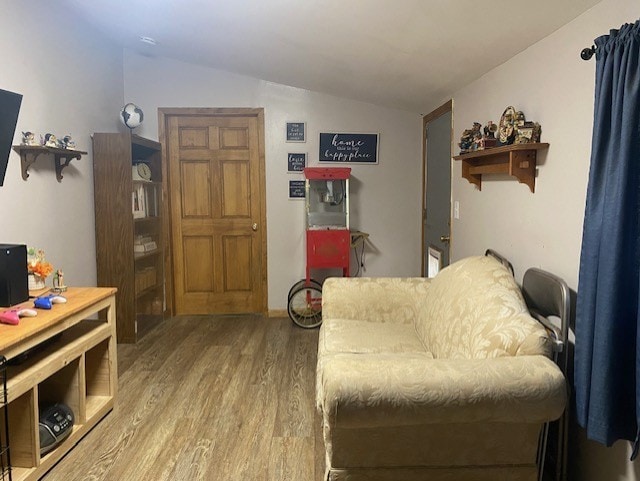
215	160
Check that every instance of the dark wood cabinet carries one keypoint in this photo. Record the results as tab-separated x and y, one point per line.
129	229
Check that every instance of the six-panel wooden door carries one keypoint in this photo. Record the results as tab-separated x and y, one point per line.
216	193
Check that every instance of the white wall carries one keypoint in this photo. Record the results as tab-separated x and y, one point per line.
385	200
72	84
553	86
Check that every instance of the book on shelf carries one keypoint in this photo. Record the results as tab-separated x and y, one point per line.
138	205
144	201
144	248
143	244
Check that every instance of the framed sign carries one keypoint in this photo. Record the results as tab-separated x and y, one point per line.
349	148
296	131
296	189
296	163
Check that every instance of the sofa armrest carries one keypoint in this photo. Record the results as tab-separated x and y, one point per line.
392	390
381	299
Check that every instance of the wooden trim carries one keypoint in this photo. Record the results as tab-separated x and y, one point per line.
209	111
443	109
263	210
164	114
277	313
431	116
166	225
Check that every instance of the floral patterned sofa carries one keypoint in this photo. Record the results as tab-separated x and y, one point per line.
446	379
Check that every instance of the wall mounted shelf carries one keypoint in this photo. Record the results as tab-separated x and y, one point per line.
61	157
517	160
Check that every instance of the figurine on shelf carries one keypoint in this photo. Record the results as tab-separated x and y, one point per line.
68	142
50	140
489	138
29	138
490	130
58	281
529	132
470	138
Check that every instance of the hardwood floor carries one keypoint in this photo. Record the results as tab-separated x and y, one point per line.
209	398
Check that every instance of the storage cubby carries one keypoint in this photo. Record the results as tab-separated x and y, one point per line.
23	421
62	386
60	356
98	388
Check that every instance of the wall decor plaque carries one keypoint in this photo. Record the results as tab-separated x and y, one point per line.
348	148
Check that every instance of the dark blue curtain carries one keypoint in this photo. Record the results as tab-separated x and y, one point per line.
607	354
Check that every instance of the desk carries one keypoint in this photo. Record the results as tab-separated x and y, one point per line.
77	366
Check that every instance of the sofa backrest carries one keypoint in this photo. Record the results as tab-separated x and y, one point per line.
474	310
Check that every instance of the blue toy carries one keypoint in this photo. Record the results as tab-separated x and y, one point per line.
47	302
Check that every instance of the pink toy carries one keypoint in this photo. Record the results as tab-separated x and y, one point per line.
12	316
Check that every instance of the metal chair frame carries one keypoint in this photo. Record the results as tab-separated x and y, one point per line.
548	296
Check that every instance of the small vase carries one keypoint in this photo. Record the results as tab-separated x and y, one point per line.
35	282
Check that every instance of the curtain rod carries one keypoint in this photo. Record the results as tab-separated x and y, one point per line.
587	53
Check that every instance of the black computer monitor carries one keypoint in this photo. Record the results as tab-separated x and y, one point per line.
9	109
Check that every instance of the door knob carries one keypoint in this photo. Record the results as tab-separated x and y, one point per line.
445	238
254	226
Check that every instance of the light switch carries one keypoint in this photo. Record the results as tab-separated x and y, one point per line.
456	209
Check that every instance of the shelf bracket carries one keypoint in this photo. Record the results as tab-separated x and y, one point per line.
63	160
26	159
522	166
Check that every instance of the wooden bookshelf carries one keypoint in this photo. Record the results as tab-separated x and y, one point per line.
116	198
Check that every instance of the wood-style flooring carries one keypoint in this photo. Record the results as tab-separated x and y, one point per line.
227	398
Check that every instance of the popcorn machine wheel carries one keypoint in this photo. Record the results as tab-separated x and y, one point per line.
328	239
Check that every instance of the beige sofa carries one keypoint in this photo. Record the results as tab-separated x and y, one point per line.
441	380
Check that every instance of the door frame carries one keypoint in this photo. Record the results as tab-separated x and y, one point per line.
431	116
163	118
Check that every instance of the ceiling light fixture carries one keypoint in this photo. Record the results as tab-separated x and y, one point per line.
148	40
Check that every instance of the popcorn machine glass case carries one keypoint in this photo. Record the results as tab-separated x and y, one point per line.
326	197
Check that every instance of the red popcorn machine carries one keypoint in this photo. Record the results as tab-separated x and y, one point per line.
328	239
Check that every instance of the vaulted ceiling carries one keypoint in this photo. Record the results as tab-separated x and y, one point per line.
407	54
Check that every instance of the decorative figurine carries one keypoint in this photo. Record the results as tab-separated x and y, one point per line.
471	138
29	138
50	140
478	137
528	132
68	142
506	128
490	130
58	281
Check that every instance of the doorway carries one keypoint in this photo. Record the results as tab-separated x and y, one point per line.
436	213
214	166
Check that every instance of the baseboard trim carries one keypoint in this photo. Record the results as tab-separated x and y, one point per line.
278	313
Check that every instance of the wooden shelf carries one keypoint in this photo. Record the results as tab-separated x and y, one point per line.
149	218
143	255
517	160
61	157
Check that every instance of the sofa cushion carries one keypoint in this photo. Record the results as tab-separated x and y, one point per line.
474	309
347	335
